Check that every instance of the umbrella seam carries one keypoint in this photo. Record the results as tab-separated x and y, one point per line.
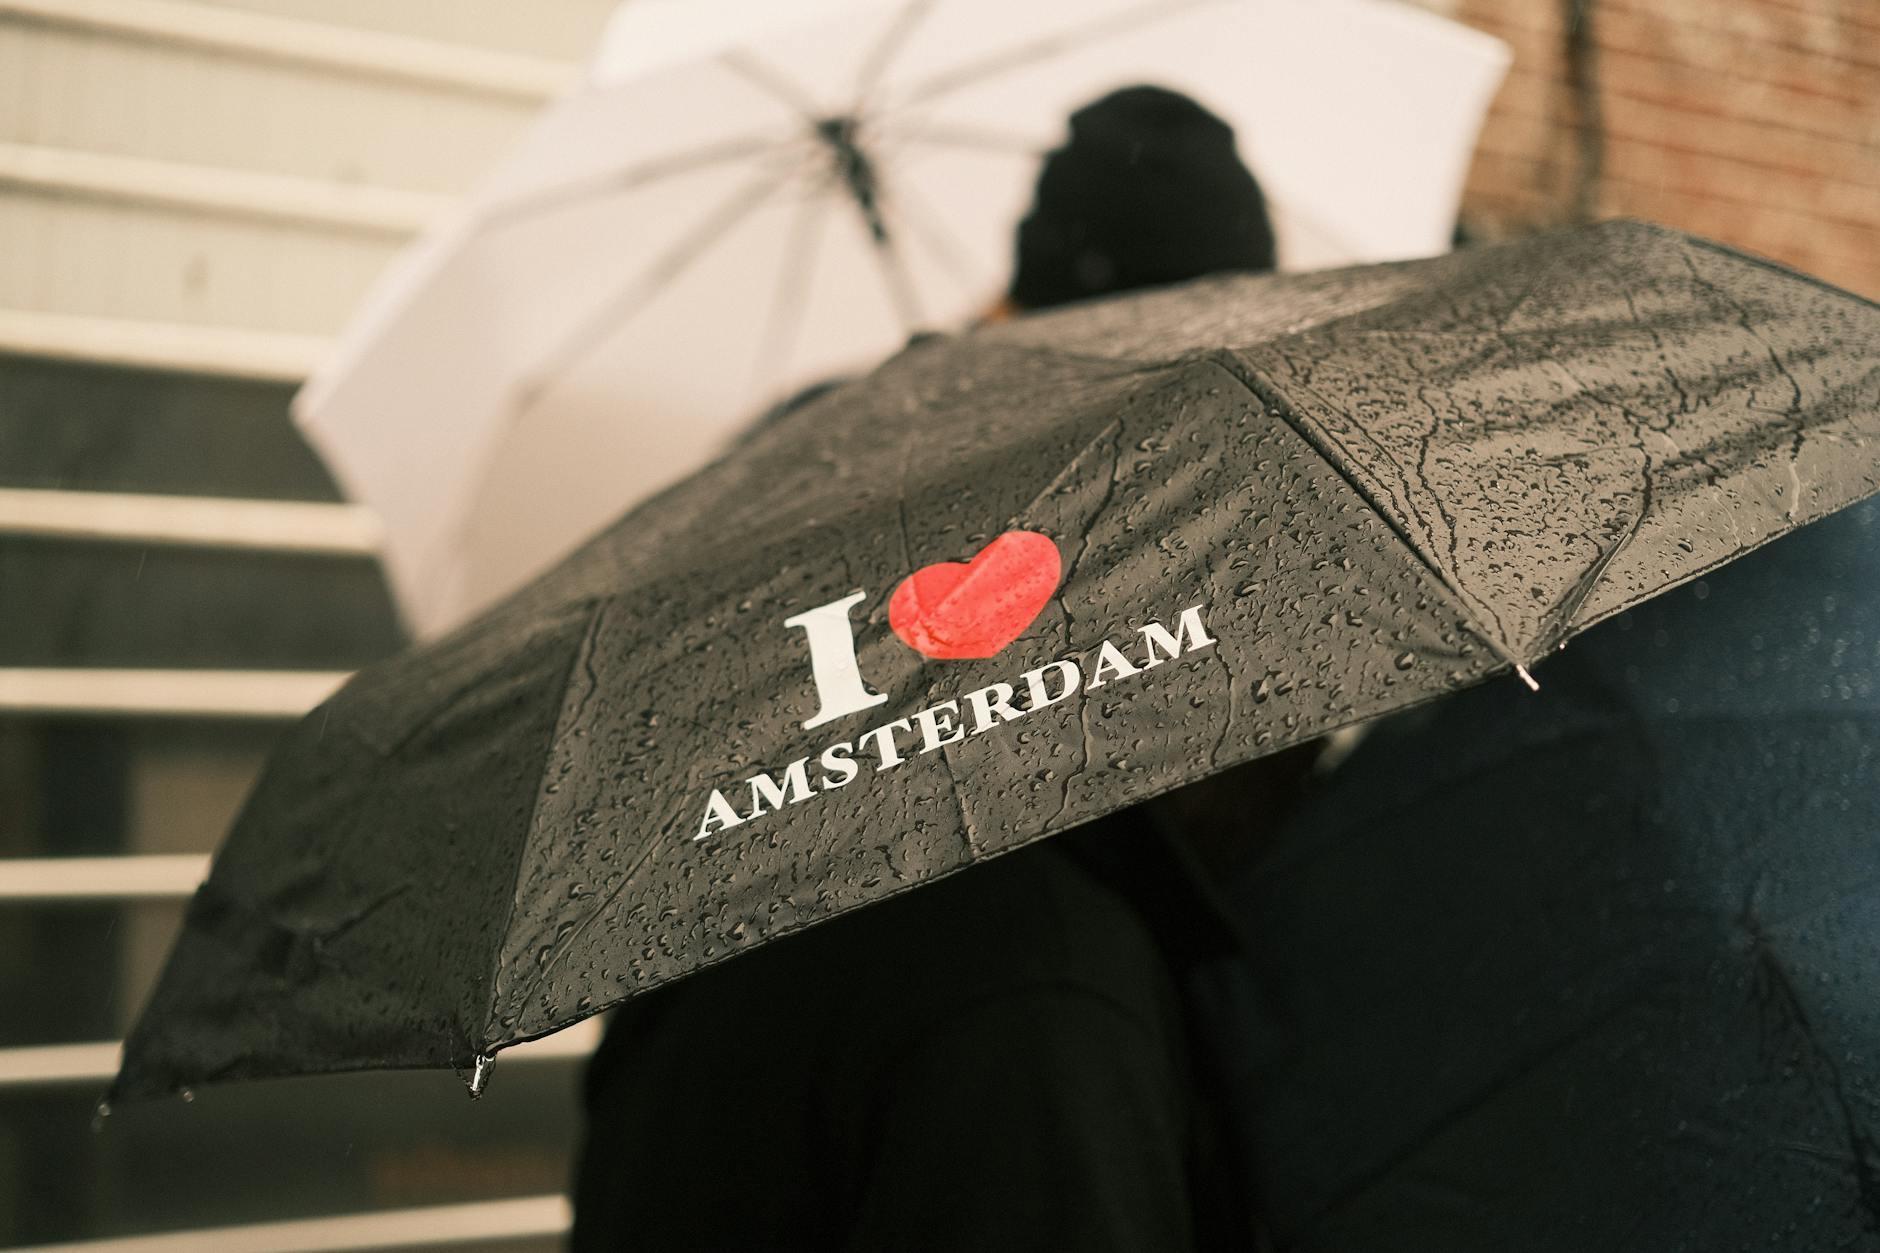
1489	1092
583	659
1750	258
1262	390
1720	562
1115	431
1561	616
783	932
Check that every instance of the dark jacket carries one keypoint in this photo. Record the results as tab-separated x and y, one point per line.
1001	1060
1598	967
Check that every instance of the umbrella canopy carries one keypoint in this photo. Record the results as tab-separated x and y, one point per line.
1642	913
537	365
1012	581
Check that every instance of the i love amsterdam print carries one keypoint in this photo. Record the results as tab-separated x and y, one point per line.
950	610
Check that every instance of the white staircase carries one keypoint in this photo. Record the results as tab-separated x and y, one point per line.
193	196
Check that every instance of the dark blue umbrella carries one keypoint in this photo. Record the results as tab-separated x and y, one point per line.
1598	967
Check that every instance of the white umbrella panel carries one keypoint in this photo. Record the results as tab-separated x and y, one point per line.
679	243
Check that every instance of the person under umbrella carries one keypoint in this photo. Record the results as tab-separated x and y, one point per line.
1017	1058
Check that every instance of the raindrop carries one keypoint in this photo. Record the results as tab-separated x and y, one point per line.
188	1095
1406	660
99	1113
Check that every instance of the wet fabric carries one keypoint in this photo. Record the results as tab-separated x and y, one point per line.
1004	1062
1597	967
1279	505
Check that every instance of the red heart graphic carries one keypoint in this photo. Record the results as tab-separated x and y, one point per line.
972	609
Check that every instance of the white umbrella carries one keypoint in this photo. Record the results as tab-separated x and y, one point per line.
710	222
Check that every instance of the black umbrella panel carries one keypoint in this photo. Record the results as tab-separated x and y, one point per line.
1012	581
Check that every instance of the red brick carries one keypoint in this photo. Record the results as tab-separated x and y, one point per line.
1777	147
1740	180
1736	58
1847	256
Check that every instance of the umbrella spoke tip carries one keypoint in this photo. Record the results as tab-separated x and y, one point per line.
479	1076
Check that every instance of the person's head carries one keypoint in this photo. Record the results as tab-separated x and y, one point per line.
1148	190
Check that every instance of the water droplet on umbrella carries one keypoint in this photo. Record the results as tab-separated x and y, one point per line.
1406	660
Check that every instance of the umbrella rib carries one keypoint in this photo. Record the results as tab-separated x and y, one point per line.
900	500
978	138
1048	46
792	283
969	828
886	49
1425	446
648	283
899	287
770	80
1569	606
944	246
583	660
597	613
1489	1091
1115	429
635	177
1245	375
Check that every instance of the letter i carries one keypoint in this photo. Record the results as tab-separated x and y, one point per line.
840	690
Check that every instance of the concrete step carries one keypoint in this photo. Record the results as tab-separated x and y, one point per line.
194	83
90	427
75	604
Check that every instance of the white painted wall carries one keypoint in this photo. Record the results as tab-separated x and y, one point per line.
150	150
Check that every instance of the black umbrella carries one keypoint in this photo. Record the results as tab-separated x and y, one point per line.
1012	581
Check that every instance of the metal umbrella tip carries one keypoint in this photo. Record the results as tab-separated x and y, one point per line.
480	1074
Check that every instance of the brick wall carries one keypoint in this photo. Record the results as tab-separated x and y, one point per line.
1755	122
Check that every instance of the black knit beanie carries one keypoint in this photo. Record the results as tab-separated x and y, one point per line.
1149	190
